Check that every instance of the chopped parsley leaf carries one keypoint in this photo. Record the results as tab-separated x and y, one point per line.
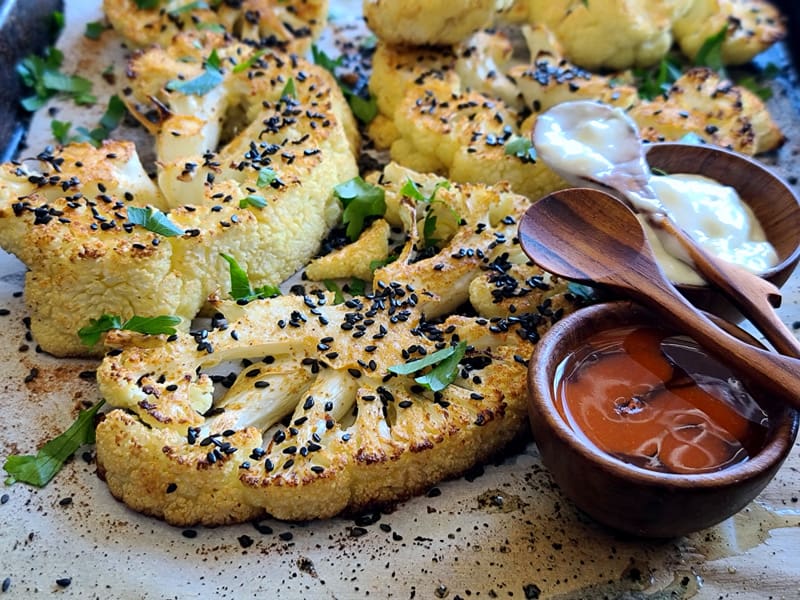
210	78
444	363
254	201
90	334
38	470
240	283
153	220
42	74
360	200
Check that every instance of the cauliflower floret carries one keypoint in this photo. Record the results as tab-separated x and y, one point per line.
615	34
517	288
354	260
286	25
401	440
422	22
192	124
751	26
713	108
319	420
266	197
464	137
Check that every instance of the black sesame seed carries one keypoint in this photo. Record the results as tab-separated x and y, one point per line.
64	582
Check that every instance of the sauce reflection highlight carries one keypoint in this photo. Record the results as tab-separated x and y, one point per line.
659	402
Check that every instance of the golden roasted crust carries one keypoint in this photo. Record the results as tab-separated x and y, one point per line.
65	214
751	26
421	22
340	431
286	25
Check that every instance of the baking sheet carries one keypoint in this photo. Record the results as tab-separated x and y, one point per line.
504	531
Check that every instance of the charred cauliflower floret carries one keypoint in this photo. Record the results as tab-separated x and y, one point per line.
264	198
316	423
286	25
751	26
464	137
324	415
719	112
271	111
421	22
610	34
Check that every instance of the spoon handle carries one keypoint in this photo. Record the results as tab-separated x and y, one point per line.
773	372
752	295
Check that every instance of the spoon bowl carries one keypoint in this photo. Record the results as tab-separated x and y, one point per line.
589	236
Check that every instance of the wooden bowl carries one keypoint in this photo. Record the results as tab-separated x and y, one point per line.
622	496
772	200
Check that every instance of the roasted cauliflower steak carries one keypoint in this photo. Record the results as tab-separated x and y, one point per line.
286	25
323	415
243	169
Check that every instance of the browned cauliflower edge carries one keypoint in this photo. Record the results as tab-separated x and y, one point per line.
291	406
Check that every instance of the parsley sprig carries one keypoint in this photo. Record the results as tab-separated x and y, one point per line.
241	289
40	468
153	220
90	334
364	107
360	200
109	121
444	363
210	78
43	75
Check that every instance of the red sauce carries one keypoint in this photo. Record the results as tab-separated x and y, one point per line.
659	402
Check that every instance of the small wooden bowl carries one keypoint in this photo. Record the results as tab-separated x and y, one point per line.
622	496
772	200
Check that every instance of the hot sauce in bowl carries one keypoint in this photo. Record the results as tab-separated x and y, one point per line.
659	402
671	454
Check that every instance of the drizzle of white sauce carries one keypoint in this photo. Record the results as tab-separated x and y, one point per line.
586	139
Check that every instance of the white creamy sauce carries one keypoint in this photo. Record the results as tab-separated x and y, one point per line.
587	139
572	139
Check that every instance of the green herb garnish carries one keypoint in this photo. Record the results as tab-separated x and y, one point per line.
254	201
444	363
240	283
94	30
90	334
521	147
246	64
357	287
147	4
289	89
360	200
364	108
153	220
43	75
377	264
710	53
210	78
332	286
265	177
38	470
188	8
109	121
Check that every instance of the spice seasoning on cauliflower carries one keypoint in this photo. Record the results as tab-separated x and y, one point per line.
338	406
76	216
280	24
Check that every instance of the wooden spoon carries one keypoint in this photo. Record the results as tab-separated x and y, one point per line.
630	175
589	236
